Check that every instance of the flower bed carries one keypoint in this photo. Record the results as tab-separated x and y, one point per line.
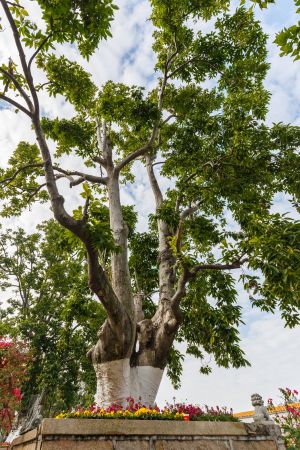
137	411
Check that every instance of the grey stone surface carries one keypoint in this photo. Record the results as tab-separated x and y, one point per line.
254	445
193	445
87	434
140	427
132	445
77	445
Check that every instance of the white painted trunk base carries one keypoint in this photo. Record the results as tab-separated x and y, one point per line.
13	434
116	381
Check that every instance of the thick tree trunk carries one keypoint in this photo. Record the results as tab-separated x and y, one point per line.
117	381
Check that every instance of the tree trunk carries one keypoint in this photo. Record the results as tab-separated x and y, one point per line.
117	381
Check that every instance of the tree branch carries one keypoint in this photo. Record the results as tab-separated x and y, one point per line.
171	116
235	265
35	191
153	182
86	210
38	50
15	4
140	152
16	105
143	150
179	234
22	56
189	61
8	180
83	176
19	87
188	275
99	160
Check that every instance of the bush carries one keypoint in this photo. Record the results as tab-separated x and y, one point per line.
289	420
13	360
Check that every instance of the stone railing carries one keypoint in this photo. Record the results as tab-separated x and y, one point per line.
105	434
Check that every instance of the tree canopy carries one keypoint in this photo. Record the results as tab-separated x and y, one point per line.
203	128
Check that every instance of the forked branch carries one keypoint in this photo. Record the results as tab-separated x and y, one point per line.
13	79
138	153
190	274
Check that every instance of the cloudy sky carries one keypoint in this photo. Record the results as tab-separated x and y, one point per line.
127	57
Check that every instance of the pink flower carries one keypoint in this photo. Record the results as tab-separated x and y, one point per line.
295	392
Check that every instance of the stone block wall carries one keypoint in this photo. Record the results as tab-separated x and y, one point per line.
99	434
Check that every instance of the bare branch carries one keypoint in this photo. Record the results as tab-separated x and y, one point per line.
101	142
140	152
235	265
65	173
16	104
158	163
35	191
8	180
11	77
39	49
83	176
171	116
181	287
21	52
100	161
180	229
188	275
188	211
86	210
15	4
40	86
189	61
153	181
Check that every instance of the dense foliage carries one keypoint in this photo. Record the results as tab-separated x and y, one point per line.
14	359
204	129
50	307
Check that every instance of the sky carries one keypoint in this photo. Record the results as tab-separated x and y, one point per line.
272	349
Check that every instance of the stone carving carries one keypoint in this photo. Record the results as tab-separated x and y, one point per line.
261	413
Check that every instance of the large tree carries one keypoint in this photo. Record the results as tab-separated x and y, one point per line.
223	163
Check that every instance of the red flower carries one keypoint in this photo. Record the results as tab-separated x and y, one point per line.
17	393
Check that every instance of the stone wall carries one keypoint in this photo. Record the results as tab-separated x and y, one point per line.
99	434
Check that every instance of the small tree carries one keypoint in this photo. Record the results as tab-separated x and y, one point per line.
213	145
51	308
13	359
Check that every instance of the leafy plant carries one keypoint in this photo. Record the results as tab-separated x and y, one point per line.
289	419
14	358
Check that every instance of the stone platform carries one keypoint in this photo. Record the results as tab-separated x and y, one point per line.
101	434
